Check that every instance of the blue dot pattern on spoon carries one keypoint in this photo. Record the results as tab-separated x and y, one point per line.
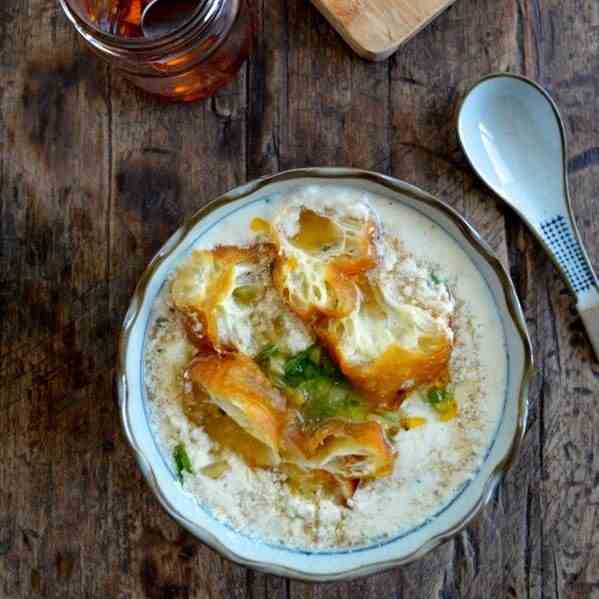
568	251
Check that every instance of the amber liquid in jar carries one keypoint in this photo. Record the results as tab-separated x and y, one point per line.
209	57
123	17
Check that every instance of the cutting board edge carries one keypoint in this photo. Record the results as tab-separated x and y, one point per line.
374	55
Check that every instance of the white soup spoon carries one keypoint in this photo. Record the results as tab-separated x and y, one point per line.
512	134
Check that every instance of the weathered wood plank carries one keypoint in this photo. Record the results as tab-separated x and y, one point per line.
338	104
167	161
565	42
94	176
499	552
269	102
54	311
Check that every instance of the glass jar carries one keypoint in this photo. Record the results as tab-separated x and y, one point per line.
189	63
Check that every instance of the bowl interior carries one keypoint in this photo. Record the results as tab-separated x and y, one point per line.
327	564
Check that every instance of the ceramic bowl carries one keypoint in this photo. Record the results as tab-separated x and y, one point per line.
327	564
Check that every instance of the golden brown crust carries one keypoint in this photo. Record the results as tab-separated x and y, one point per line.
236	384
337	453
395	370
199	302
349	450
345	450
342	292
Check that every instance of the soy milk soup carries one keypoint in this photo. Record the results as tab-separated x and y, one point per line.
435	454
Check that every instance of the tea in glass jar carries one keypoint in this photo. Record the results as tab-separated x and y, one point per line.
119	17
188	63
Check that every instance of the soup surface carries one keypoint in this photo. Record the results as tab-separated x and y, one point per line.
437	416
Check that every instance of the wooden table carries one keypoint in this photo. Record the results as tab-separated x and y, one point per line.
94	177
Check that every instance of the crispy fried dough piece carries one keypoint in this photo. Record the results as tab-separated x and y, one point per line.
351	450
330	272
224	431
344	450
236	385
229	303
321	246
208	278
397	370
387	349
348	450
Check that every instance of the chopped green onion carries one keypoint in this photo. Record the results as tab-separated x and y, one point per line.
443	402
329	369
309	364
388	417
272	362
182	461
327	398
315	354
268	352
436	395
313	381
301	368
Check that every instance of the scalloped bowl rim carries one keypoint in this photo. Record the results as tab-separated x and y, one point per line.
349	562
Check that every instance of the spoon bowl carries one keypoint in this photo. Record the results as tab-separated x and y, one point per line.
512	133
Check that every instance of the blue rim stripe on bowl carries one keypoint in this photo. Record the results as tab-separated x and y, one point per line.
510	307
382	541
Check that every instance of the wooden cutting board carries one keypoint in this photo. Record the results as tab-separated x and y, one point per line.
376	28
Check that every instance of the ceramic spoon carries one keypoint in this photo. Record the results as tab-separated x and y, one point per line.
512	133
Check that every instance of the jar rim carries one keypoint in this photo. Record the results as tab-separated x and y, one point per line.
203	15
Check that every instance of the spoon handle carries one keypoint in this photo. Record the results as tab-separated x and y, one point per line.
560	235
590	318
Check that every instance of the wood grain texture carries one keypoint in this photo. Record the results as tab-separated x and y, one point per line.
376	28
590	318
94	176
